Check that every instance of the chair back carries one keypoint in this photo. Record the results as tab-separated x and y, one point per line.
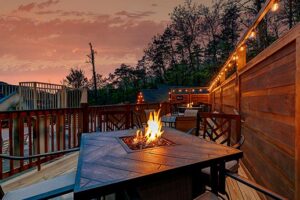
137	120
220	128
147	113
190	113
185	123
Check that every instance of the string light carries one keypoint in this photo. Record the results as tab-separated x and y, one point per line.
252	34
275	6
242	48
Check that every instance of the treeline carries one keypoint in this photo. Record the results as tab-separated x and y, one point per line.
194	45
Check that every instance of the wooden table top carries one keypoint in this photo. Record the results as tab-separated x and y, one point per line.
105	164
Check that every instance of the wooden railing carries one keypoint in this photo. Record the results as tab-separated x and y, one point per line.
6	90
26	133
34	132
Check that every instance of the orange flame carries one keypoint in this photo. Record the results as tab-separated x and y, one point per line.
153	130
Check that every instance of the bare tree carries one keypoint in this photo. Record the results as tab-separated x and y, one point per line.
91	60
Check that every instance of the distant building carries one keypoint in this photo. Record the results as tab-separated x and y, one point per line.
154	95
190	95
174	94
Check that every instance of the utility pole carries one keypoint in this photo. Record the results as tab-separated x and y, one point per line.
92	61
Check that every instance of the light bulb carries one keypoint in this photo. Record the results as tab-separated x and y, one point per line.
275	6
252	34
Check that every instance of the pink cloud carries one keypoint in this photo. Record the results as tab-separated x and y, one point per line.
30	6
47	3
27	7
135	14
59	44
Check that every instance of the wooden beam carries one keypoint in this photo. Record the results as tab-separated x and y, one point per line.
297	122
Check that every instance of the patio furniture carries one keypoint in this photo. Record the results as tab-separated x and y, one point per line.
190	113
185	123
148	111
219	127
106	165
137	120
232	165
169	120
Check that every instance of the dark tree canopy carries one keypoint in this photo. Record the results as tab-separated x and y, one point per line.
76	78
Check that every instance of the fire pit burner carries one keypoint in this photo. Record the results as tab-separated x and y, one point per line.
129	141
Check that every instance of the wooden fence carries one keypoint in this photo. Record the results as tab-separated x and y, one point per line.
33	132
266	92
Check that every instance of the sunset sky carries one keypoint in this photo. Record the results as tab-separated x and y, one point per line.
42	40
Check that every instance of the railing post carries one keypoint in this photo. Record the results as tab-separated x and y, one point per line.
198	125
34	97
84	123
18	136
85	120
128	117
43	133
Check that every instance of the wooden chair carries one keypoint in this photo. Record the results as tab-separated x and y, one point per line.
147	113
219	127
232	165
190	113
185	123
137	120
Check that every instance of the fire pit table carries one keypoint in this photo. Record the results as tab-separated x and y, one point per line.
172	171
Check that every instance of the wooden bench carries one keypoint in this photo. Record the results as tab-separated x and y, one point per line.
46	189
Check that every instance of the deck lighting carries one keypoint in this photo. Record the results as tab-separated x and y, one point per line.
235	57
275	6
242	48
179	90
252	34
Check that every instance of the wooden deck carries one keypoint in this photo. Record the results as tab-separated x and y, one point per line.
59	167
69	163
237	190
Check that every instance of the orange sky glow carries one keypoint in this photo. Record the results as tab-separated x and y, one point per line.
42	40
